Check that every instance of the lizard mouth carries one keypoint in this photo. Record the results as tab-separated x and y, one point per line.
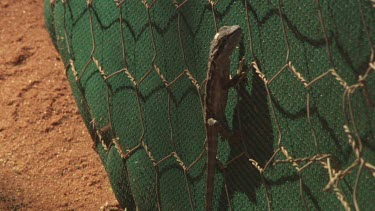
233	39
236	34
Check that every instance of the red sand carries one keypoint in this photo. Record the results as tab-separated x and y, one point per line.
46	159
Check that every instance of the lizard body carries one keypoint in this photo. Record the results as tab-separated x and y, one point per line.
216	95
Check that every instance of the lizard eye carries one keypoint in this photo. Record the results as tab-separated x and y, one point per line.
224	40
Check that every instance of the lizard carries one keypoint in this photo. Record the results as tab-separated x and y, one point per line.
216	95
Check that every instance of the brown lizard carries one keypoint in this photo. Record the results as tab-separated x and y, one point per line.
216	94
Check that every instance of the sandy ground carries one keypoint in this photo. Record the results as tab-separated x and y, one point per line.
46	159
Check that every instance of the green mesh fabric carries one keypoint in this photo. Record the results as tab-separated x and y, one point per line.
303	117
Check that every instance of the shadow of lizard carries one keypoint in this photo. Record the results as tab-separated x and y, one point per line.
252	120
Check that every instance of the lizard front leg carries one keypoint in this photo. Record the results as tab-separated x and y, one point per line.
240	75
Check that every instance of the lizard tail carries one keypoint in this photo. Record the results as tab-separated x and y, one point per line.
211	163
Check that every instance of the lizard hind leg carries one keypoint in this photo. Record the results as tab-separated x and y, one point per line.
225	132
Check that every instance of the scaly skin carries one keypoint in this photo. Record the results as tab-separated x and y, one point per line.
222	46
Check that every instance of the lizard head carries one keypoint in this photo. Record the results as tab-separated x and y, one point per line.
226	40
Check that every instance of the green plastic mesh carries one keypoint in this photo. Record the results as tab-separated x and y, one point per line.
304	115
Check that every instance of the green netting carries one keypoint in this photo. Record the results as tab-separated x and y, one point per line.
304	115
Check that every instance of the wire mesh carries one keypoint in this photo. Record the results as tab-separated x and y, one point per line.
304	116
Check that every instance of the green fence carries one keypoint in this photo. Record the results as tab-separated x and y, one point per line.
304	115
